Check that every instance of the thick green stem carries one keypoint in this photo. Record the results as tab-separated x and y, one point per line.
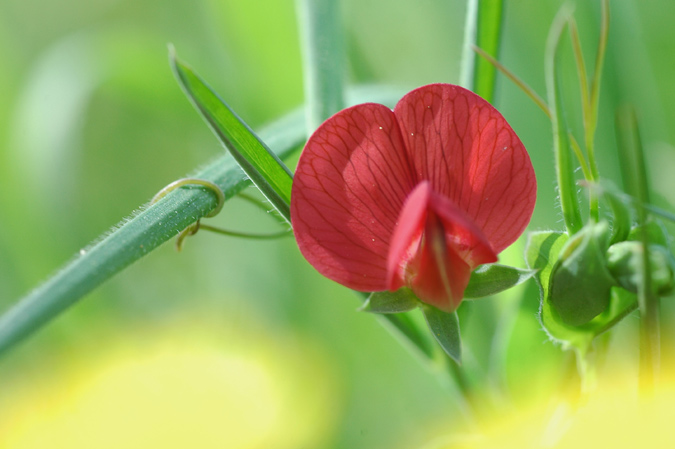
323	58
150	228
482	29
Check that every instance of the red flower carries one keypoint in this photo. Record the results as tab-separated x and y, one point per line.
417	197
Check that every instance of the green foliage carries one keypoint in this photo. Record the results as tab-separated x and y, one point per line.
488	33
625	263
482	30
445	329
321	35
402	300
569	202
543	251
580	282
264	168
491	279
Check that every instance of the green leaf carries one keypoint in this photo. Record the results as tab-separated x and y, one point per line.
402	300
561	147
445	328
264	168
491	279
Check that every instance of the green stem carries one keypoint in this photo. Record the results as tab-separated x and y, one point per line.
564	169
468	65
516	80
482	29
648	301
323	58
150	228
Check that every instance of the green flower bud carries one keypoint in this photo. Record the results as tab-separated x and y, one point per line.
624	261
580	287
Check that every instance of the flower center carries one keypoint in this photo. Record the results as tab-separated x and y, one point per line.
434	248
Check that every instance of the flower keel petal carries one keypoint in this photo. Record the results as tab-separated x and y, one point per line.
434	249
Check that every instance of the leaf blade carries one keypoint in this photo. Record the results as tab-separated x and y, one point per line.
491	279
402	300
445	329
264	168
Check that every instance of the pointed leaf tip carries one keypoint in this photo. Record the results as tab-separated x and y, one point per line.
261	165
445	328
491	279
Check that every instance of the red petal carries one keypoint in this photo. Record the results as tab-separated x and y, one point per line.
470	154
350	184
434	249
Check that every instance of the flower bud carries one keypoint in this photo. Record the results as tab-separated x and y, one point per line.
624	261
580	287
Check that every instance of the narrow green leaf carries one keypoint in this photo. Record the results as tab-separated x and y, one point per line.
564	168
599	62
491	279
402	300
323	58
445	328
264	168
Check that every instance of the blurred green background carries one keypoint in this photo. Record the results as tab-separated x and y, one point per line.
235	343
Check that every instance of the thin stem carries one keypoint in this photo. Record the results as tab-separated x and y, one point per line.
517	81
580	158
245	235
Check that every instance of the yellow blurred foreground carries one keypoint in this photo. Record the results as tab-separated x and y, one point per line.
611	418
179	388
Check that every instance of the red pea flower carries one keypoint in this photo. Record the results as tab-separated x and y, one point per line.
415	197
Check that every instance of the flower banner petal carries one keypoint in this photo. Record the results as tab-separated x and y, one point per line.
468	152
